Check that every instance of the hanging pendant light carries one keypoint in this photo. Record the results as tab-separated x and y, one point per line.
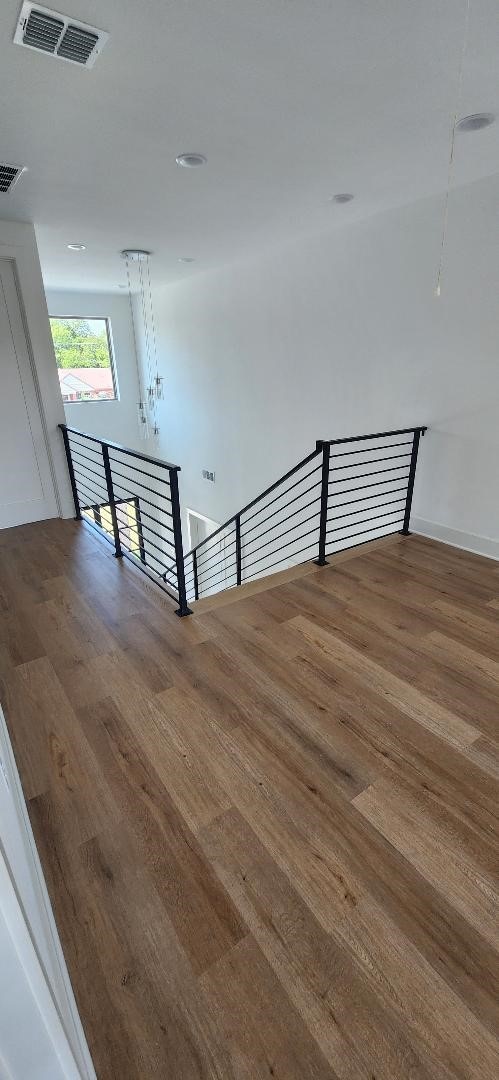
139	273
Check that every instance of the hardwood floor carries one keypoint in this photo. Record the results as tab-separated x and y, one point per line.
269	831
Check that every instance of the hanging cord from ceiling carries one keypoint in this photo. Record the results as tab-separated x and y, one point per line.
450	169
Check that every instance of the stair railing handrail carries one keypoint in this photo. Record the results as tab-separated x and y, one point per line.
319	446
262	495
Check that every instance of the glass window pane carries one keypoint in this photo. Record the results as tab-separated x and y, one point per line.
84	357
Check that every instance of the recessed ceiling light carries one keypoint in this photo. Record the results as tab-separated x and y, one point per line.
186	259
343	197
475	122
77	247
190	161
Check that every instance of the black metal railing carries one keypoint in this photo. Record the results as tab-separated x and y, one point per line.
132	500
343	494
328	510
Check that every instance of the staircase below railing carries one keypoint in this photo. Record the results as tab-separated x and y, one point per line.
136	507
132	500
324	512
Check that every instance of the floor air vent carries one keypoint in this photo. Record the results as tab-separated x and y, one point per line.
9	175
50	32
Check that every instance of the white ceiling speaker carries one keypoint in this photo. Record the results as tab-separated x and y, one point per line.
190	161
475	122
66	38
9	175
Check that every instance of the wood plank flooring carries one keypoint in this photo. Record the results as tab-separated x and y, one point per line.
269	831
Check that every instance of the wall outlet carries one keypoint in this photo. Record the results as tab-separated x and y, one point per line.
208	475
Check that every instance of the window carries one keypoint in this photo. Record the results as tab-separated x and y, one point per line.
84	355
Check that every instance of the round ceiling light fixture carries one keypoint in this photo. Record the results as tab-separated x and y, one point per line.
190	161
186	259
475	122
343	197
76	247
135	254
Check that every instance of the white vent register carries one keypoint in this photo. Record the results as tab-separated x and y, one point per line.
59	35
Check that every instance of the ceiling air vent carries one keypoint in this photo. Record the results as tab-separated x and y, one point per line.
50	32
9	175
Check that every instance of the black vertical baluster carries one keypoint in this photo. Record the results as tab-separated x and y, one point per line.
238	550
195	569
71	472
183	608
326	451
410	483
112	504
138	518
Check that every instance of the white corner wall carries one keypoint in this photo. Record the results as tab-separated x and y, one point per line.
337	335
115	420
18	242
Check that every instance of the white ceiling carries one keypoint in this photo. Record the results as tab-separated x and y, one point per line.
290	100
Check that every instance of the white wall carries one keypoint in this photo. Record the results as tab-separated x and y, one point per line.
116	420
339	335
18	242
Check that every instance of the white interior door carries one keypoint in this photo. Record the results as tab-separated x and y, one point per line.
26	485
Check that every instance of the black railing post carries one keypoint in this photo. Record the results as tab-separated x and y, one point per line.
69	460
112	504
140	533
183	608
410	482
238	550
326	451
195	571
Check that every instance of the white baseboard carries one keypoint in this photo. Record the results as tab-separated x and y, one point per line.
479	545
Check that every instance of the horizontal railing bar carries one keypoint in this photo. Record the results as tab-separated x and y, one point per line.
143	525
212	567
229	538
286	492
135	560
150	476
290	503
247	566
122	449
218	577
91	450
88	472
98	529
146	539
98	461
373	461
374	528
363	487
338	517
362	542
253	502
228	544
87	491
372	449
286	557
351	502
363	521
375	435
147	542
360	476
279	537
163	570
284	521
143	499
